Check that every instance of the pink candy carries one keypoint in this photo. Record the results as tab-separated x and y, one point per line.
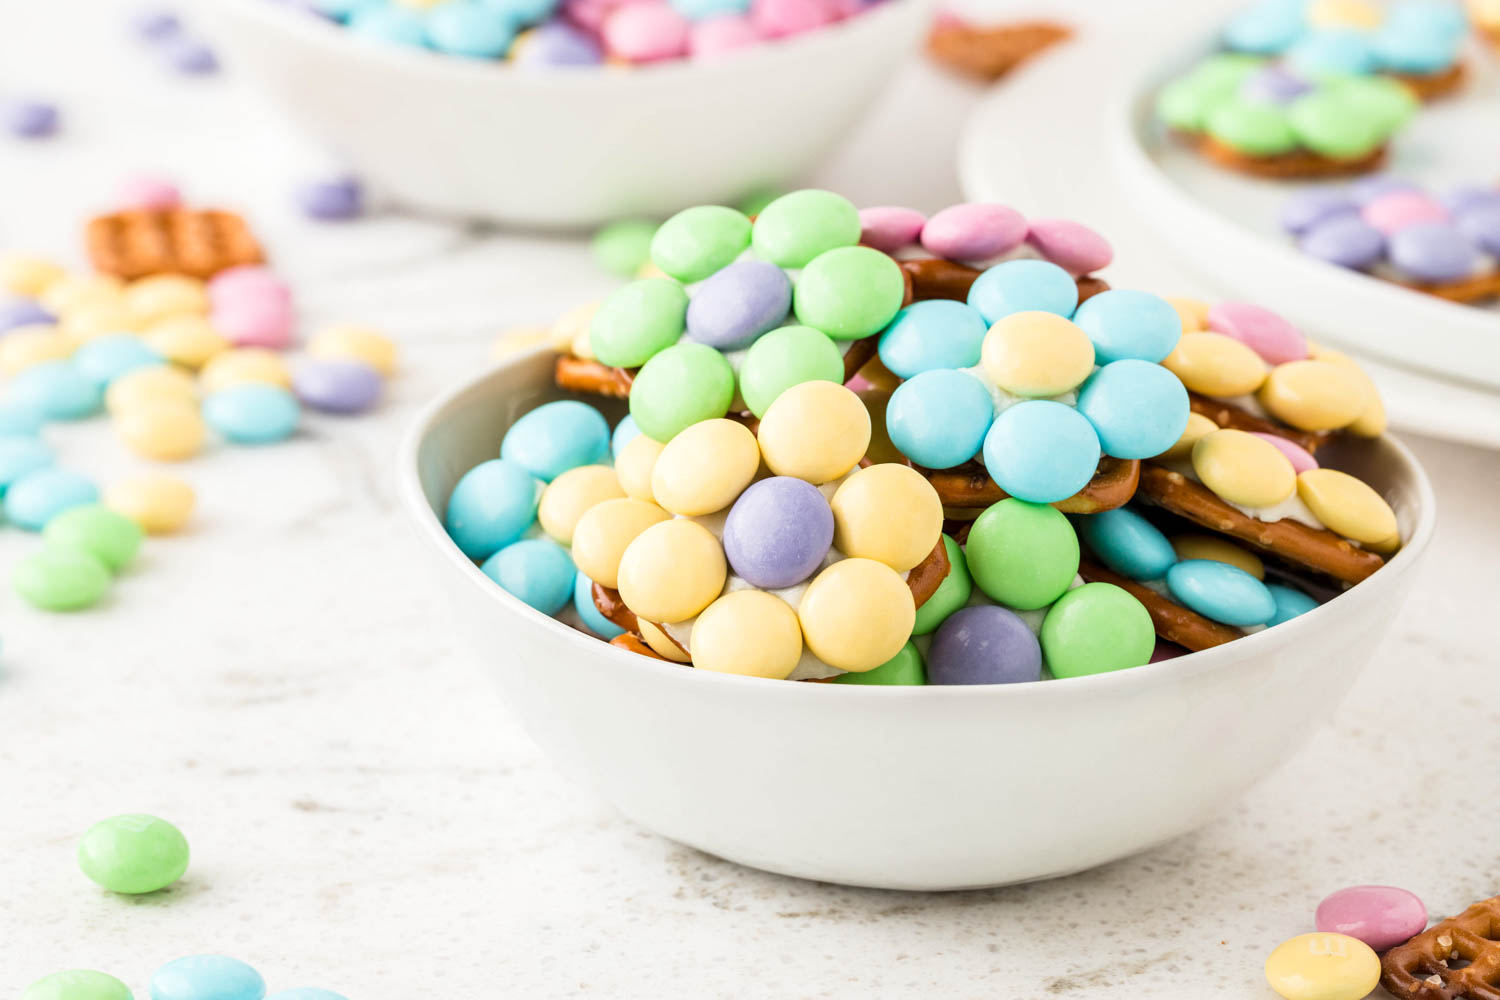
1400	209
1299	456
1261	330
148	191
1379	915
889	228
1070	245
646	32
780	18
974	232
716	35
252	307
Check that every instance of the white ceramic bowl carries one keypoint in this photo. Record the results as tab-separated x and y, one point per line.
568	148
908	788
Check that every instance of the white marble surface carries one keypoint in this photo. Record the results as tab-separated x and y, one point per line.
363	815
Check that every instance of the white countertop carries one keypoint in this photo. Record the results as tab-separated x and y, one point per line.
363	815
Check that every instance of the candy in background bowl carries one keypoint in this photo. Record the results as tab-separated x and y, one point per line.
561	147
902	787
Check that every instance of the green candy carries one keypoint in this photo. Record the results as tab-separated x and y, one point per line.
1095	629
133	854
905	669
622	247
1349	119
637	321
1384	100
1251	127
679	387
61	579
795	228
110	537
786	357
77	984
1186	102
696	242
1024	555
952	594
849	293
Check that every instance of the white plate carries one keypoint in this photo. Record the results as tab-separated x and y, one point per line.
1036	140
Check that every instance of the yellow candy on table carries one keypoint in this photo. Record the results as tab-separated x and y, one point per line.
73	291
1315	395
661	642
28	274
878	375
161	505
671	571
568	497
1244	469
167	430
571	325
1215	365
518	339
1037	354
31	345
815	431
1192	312
1344	14
144	386
1197	426
161	296
1323	966
1372	422
635	465
190	341
241	365
889	513
856	614
603	533
705	467
1348	506
748	632
1218	549
348	342
96	319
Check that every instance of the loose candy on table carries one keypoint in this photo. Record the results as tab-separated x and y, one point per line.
344	387
77	984
21	455
252	413
167	429
60	579
348	342
1323	966
35	498
133	854
58	390
109	536
334	199
30	119
1379	915
623	247
252	365
198	976
161	505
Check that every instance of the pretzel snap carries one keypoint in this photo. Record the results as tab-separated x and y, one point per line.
1425	968
140	242
988	53
1297	164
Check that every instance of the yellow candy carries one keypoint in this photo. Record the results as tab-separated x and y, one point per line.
570	495
73	291
1372	422
672	571
1343	14
815	431
650	270
244	364
161	505
1192	312
604	532
1348	506
1197	426
27	274
661	642
1315	395
143	386
31	345
888	513
571	325
355	343
856	614
190	341
1323	967
582	346
95	319
518	339
167	431
1037	354
748	632
635	465
1219	550
164	295
878	375
1244	469
1216	365
705	467
880	448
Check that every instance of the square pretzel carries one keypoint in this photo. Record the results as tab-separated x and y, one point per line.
199	243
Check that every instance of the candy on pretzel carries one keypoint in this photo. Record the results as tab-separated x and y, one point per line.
988	53
1172	621
1454	959
970	487
199	243
1296	165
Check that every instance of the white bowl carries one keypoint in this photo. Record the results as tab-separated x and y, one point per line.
569	148
906	788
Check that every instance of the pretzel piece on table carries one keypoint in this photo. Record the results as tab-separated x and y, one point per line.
988	53
199	243
1426	967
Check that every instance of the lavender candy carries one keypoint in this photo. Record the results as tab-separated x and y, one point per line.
334	199
1460	200
1481	224
557	43
733	307
337	386
778	532
1369	188
1274	85
188	56
986	644
1345	240
1432	252
22	312
30	119
1309	208
155	23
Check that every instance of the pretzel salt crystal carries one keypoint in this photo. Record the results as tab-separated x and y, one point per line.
1428	967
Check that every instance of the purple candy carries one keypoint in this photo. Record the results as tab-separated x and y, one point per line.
1370	188
333	199
986	644
1462	199
1274	85
22	312
557	43
1432	251
1307	209
155	23
188	55
738	304
778	532
1481	224
337	386
31	119
1345	240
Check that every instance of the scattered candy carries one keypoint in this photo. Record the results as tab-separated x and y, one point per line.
1323	967
1379	915
60	579
77	984
30	119
331	200
133	854
207	976
161	505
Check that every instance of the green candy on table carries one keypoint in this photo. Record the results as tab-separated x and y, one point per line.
1023	555
679	387
951	594
849	293
795	228
77	984
107	535
696	242
1253	127
787	356
904	669
646	316
61	579
623	247
133	853
1095	629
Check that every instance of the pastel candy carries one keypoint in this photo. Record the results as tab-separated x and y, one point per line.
1243	469
937	333
952	593
1347	506
1290	604
849	292
1138	409
780	18
638	321
57	390
199	976
1407	48
888	228
778	532
1274	85
1023	555
1221	592
1379	915
973	232
797	227
1433	251
705	468
266	321
1037	354
1367	189
1263	331
856	614
593	618
556	437
787	356
468	29
671	571
603	533
889	513
1014	286
23	312
738	304
680	386
556	44
1346	240
1481	224
815	431
1300	457
104	359
1252	127
716	36
1316	395
148	191
19	456
568	497
1125	323
1334	52
1041	451
1127	543
1264	28
1323	967
77	984
748	632
1215	365
35	498
1314	206
939	419
1094	629
537	571
1465	198
1218	549
1399	209
337	386
905	669
491	506
1070	245
984	645
646	32
698	241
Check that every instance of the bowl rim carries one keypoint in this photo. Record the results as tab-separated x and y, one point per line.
429	528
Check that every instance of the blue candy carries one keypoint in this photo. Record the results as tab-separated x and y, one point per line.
341	10
1290	603
522	11
697	10
1041	451
1416	49
937	333
491	507
625	432
1124	323
939	418
1221	592
18	418
253	413
104	359
57	390
23	312
1438	17
536	570
1138	409
1127	543
37	497
1332	52
21	454
392	23
556	437
466	28
1264	29
207	977
1014	286
593	619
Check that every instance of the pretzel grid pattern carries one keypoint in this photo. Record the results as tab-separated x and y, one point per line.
137	243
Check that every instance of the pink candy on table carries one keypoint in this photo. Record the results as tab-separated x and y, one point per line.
888	228
1379	915
1299	456
251	307
1259	329
148	191
973	232
780	18
646	32
1070	245
716	35
1400	209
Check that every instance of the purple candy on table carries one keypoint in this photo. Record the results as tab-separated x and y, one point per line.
1345	240
734	306
1369	188
22	312
333	199
1481	224
337	386
1309	208
778	532
986	644
155	23
1463	199
557	43
1432	252
1274	85
30	119
188	56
